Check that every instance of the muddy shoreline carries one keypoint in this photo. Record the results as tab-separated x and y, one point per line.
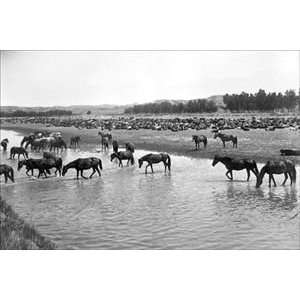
179	143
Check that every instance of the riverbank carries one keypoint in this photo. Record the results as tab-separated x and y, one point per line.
257	144
18	235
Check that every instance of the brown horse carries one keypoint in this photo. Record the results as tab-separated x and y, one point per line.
19	151
154	159
227	138
82	164
123	155
199	139
286	167
74	141
8	172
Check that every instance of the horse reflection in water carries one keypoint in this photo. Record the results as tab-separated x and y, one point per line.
237	165
286	167
82	164
155	159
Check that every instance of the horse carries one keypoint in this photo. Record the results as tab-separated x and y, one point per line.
115	146
286	167
81	164
123	155
227	138
19	151
8	172
104	143
27	140
199	139
154	159
37	144
42	164
105	135
237	165
58	144
4	144
74	141
129	147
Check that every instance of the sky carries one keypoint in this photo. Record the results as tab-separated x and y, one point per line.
48	78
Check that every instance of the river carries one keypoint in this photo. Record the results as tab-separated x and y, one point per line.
194	207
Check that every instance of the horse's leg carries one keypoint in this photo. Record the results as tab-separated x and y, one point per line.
270	178
5	177
97	169
81	173
147	168
248	174
285	178
273	180
77	173
228	175
291	177
223	144
94	171
151	168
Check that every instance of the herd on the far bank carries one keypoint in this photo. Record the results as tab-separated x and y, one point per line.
51	143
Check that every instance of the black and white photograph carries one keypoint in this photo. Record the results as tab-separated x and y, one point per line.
150	150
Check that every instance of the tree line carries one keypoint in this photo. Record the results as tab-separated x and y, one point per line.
261	101
190	106
32	113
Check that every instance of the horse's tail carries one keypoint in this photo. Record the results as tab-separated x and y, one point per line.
255	168
100	164
169	162
294	173
132	160
12	174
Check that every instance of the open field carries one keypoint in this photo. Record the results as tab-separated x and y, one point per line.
257	143
16	234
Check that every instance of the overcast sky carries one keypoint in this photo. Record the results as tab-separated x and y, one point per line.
46	78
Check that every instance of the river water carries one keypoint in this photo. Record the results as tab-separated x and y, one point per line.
194	207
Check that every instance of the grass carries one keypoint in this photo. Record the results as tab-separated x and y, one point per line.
15	234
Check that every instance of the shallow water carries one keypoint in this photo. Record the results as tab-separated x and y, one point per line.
194	207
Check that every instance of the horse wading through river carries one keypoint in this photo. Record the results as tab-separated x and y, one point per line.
123	155
154	159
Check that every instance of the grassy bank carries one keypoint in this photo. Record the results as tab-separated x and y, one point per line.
15	234
256	144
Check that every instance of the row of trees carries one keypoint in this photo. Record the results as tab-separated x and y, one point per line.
32	113
261	101
191	106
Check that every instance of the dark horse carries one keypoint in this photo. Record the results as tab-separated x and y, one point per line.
237	165
4	144
105	135
19	151
104	143
74	141
199	139
154	159
81	164
27	139
227	138
8	172
43	165
123	155
286	167
129	147
115	146
58	144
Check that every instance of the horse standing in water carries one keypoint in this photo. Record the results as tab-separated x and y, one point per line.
227	138
74	141
4	144
286	167
82	164
129	147
27	140
199	139
237	165
123	155
115	146
19	151
58	144
155	159
8	172
43	165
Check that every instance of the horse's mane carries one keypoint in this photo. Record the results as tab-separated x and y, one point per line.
146	156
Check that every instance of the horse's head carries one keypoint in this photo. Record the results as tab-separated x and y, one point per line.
21	163
216	160
194	137
216	135
64	170
140	163
113	156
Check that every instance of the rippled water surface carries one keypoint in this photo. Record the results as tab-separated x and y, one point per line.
194	207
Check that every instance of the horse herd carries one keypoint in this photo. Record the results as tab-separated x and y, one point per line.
55	142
